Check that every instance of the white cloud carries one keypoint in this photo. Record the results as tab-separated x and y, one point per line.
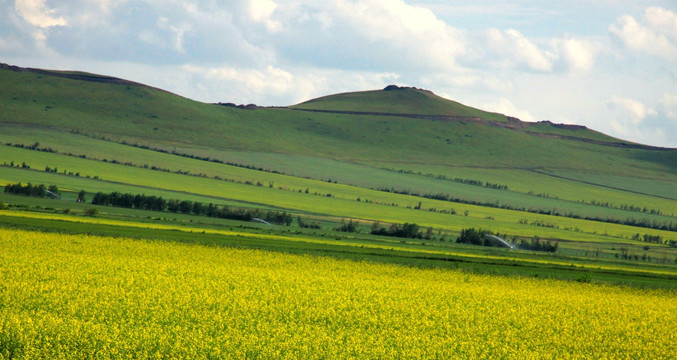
36	13
261	11
271	79
629	118
512	49
506	107
668	106
246	85
271	85
663	22
178	32
401	32
629	111
578	55
658	37
469	80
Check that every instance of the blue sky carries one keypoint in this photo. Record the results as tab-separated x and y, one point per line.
608	64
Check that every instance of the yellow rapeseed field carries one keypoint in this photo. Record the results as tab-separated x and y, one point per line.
80	297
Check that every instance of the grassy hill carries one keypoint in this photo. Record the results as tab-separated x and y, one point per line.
392	156
397	100
117	110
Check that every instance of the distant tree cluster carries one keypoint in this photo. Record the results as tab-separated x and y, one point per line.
156	203
406	230
350	226
307	225
480	237
32	190
536	244
456	179
138	201
474	236
654	239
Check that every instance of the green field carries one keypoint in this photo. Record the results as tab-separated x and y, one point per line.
291	195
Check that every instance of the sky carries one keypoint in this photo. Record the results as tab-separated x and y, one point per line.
610	65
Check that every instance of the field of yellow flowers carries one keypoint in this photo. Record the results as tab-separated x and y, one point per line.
90	297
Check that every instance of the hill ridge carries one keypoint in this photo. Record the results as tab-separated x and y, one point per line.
513	124
81	76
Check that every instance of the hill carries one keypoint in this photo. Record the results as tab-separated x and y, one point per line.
382	128
395	100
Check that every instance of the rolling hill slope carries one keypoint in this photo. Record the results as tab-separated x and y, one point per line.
374	127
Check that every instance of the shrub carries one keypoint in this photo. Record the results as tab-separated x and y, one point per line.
91	212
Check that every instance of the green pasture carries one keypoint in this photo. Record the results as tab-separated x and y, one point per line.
361	247
372	178
69	207
661	187
373	206
518	180
578	249
70	185
568	186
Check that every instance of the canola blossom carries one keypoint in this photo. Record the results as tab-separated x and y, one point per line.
90	297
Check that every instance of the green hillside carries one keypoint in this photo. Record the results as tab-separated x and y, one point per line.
397	100
382	158
117	110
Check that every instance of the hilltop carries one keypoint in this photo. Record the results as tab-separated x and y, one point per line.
396	100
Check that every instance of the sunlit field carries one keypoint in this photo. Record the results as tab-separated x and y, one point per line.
79	296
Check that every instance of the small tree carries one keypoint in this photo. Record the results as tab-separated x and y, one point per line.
350	226
472	236
81	196
53	189
91	212
429	233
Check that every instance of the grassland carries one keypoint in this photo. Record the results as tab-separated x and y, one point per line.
289	193
367	178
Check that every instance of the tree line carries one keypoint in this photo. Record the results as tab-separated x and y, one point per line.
456	179
406	230
480	237
157	203
644	223
32	190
